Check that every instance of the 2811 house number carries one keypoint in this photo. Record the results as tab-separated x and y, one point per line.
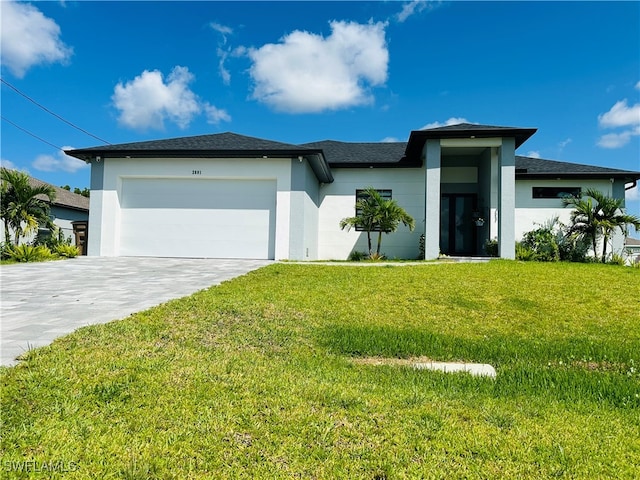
196	172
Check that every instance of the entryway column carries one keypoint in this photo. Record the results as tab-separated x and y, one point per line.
507	194
432	200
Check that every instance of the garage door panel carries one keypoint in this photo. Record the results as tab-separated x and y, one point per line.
198	218
196	194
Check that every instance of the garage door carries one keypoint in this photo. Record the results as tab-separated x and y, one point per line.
166	217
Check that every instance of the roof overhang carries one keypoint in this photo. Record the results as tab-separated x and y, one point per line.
315	157
418	138
404	162
70	207
622	175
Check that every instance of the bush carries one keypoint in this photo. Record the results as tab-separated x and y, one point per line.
357	256
542	241
574	249
421	247
524	253
51	240
5	249
491	247
29	253
67	251
616	259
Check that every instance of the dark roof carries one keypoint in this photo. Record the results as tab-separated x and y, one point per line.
64	198
352	154
417	138
473	127
219	145
326	153
529	167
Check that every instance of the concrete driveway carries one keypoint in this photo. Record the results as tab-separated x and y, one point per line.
42	301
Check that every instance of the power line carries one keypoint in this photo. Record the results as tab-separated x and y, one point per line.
29	133
52	113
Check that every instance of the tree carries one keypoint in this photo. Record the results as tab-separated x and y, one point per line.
23	207
377	214
598	216
85	192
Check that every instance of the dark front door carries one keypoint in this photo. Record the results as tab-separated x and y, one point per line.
457	227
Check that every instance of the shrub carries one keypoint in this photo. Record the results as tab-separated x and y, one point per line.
357	256
491	247
67	251
542	242
421	247
524	253
5	250
616	259
573	249
29	253
51	240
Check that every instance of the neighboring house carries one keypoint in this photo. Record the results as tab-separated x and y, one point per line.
69	211
632	249
232	196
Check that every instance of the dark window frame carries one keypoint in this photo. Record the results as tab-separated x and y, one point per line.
385	193
555	192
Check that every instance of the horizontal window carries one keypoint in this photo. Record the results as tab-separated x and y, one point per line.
555	192
362	194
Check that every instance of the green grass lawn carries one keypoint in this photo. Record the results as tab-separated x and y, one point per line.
255	378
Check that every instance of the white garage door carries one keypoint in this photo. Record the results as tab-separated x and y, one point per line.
166	217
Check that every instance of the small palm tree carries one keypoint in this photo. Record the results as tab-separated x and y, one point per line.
598	216
23	207
375	213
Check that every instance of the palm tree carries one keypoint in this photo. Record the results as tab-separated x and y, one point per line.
375	213
23	207
597	216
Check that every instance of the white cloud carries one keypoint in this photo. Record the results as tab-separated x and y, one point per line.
413	7
216	115
224	72
29	38
632	194
148	101
308	73
638	85
533	154
564	143
222	53
618	140
450	121
620	115
222	30
59	162
389	140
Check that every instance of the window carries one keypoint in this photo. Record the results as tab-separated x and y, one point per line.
555	192
362	194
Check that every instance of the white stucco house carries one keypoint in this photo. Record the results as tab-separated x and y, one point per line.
632	250
233	196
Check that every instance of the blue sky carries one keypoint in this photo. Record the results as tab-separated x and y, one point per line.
305	71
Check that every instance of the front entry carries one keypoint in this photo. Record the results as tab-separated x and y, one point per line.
458	232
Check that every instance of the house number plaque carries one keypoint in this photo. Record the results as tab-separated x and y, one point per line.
196	172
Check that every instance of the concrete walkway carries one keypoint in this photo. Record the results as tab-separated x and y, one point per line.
42	301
